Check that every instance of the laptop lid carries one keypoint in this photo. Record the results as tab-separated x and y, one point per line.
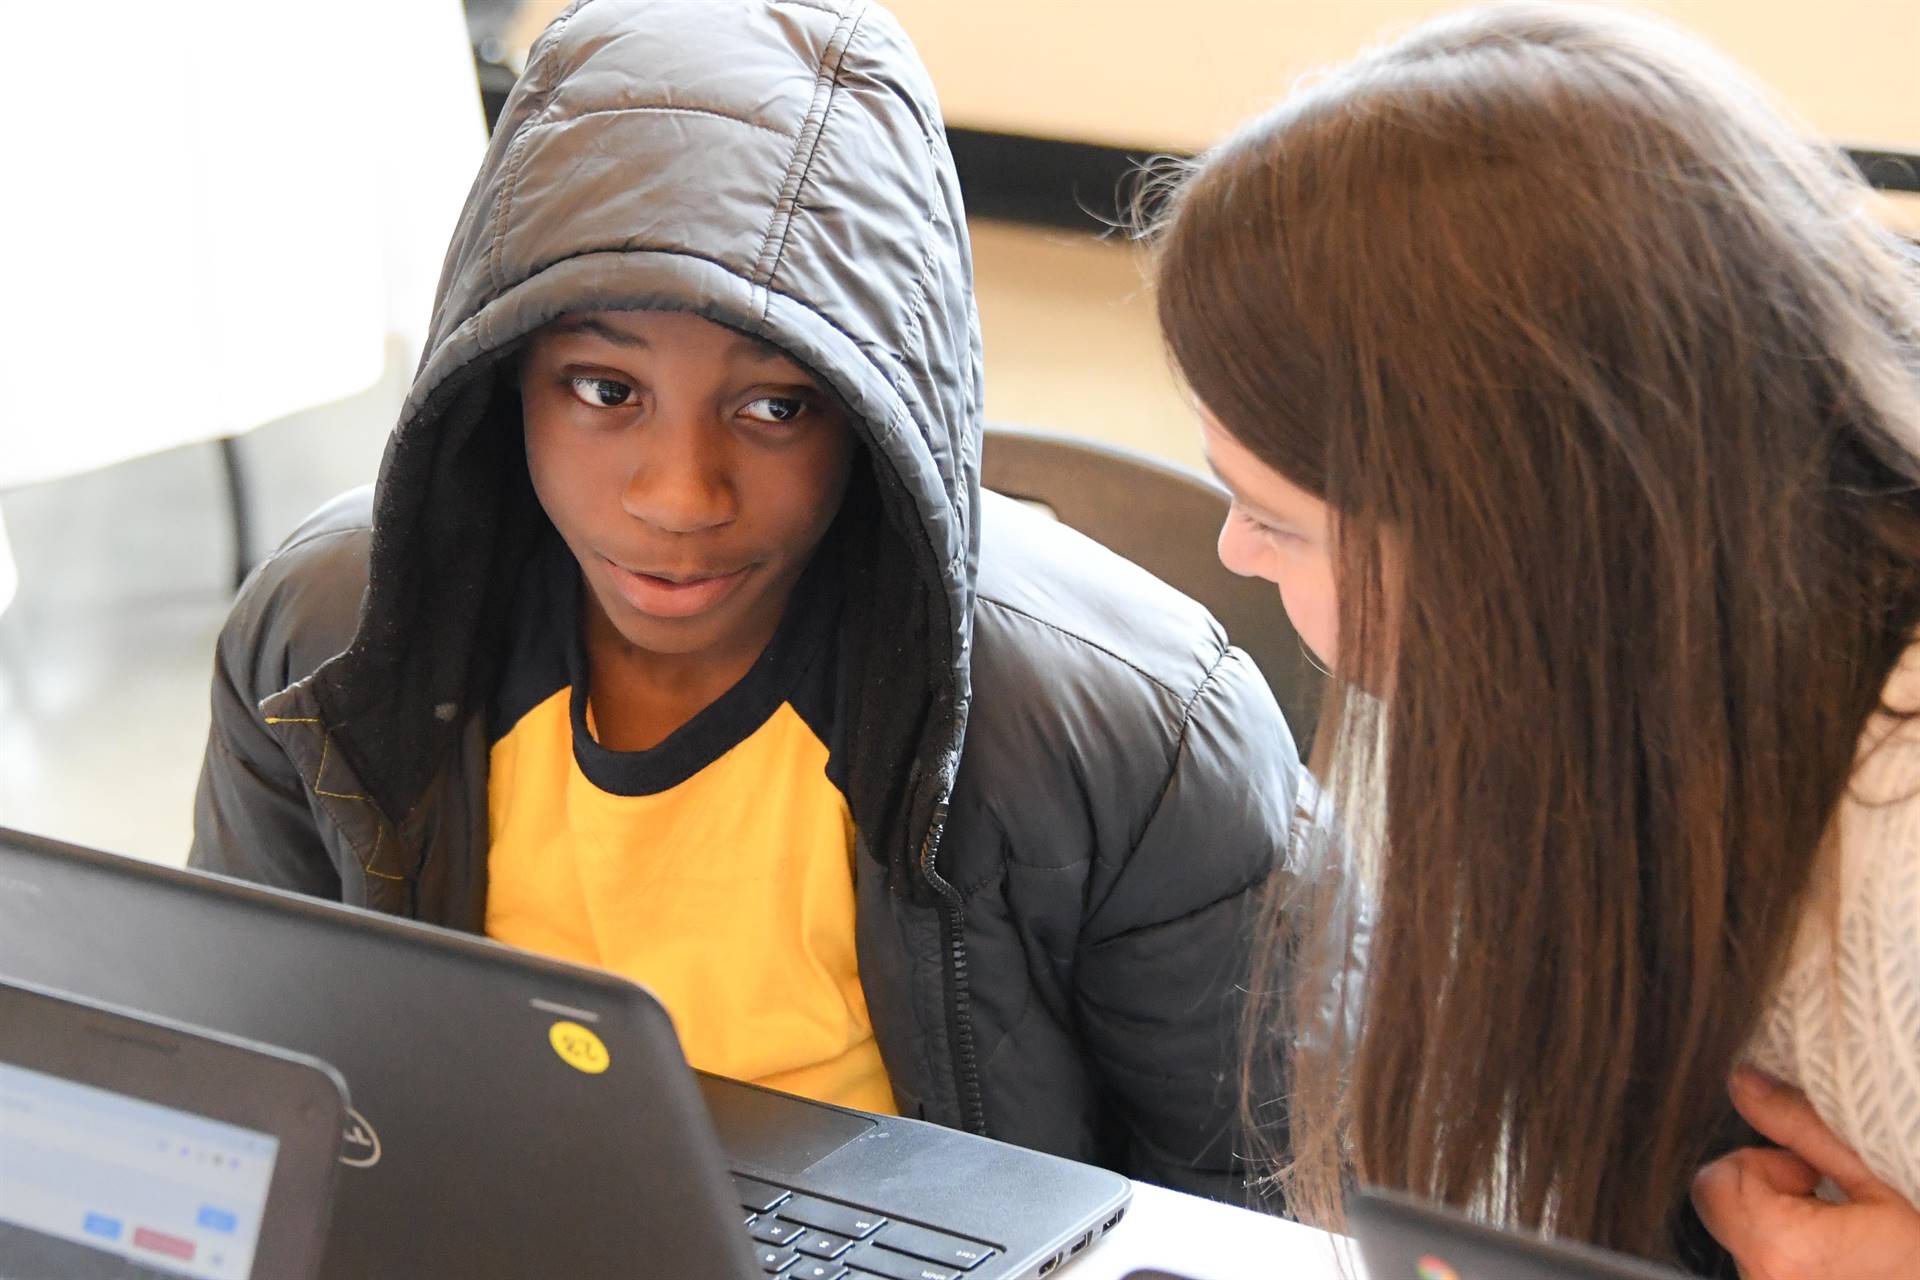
131	1147
1402	1238
485	1076
511	1116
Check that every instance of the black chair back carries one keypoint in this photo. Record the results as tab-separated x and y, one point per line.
1166	520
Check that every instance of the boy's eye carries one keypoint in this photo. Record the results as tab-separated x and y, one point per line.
602	393
776	409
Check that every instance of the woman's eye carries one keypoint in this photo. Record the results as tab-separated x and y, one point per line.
776	409
602	393
1270	532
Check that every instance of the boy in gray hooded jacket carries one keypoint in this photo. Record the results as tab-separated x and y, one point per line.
677	635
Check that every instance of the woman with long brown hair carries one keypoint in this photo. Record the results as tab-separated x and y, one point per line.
1572	400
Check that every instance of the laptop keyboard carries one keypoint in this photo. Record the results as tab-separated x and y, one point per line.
802	1237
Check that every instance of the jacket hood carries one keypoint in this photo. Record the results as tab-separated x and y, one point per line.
780	167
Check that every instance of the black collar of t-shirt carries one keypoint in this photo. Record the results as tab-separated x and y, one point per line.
801	644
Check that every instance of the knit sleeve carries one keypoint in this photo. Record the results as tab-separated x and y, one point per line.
1844	1024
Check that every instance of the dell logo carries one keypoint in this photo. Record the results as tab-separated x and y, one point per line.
360	1145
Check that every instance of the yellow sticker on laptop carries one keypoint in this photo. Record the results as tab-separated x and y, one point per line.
579	1048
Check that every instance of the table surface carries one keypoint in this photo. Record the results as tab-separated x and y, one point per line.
1202	1240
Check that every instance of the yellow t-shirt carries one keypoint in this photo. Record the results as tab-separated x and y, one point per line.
715	868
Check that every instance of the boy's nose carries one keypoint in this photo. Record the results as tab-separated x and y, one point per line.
680	482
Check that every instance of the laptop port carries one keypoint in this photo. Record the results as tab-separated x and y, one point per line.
1112	1222
1080	1244
1050	1264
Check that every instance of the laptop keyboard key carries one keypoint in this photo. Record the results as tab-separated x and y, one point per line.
824	1215
815	1271
823	1244
773	1261
777	1232
757	1195
895	1266
934	1246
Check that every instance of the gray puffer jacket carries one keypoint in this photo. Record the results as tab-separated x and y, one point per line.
1069	792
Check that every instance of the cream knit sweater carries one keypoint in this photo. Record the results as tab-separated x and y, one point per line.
1844	1024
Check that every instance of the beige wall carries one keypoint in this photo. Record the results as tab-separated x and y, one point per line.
1071	344
1178	73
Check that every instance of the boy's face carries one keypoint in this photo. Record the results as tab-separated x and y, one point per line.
692	470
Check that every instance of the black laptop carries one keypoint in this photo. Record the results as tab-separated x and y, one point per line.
515	1116
1402	1238
132	1147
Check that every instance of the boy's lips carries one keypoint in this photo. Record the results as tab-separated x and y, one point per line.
677	595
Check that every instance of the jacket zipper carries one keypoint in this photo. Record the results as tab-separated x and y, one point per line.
966	1065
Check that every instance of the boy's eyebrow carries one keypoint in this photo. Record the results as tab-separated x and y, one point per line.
746	344
600	329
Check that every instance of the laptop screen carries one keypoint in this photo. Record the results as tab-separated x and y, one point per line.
95	1183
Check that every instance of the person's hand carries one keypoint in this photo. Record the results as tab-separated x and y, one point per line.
1760	1206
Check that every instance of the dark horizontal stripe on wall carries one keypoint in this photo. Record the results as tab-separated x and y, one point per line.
1887	170
1049	182
1088	187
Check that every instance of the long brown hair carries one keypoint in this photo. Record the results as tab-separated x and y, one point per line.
1555	305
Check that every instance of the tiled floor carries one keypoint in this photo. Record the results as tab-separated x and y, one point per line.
105	652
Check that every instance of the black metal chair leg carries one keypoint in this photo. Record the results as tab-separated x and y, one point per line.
239	509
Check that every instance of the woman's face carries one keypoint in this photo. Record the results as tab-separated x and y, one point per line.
1278	531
